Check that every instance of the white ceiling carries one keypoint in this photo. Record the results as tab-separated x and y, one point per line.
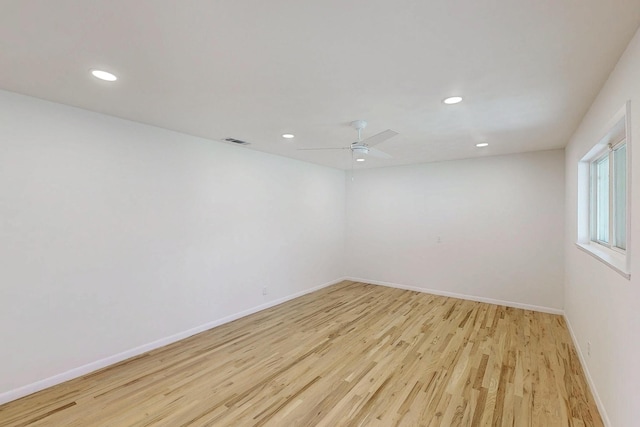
528	70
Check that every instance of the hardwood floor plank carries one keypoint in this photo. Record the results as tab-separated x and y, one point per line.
351	354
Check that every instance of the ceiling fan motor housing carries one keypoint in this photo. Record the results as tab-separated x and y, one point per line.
360	149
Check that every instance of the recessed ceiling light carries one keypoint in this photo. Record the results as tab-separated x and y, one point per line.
104	75
288	135
452	100
482	144
360	160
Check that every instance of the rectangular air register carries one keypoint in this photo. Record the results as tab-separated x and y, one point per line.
236	141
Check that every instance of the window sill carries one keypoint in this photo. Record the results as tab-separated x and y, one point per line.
616	261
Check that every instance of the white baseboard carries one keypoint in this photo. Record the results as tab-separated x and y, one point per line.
107	361
585	369
462	296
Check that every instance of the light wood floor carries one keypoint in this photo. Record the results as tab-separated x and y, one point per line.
348	355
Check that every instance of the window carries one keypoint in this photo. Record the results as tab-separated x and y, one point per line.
603	211
608	190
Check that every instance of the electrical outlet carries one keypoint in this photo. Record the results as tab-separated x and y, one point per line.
439	240
265	290
589	348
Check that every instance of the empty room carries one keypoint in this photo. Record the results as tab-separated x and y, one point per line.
330	213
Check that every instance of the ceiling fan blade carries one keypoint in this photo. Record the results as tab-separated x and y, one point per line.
373	152
379	137
323	148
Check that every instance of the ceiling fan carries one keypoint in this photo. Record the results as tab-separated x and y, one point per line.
363	147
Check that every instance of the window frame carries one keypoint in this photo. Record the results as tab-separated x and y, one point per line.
616	133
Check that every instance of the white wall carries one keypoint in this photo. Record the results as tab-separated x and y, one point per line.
115	234
601	305
499	220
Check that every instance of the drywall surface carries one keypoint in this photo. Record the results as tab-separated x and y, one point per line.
116	234
488	227
601	305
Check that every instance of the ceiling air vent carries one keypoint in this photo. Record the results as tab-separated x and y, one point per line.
236	141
